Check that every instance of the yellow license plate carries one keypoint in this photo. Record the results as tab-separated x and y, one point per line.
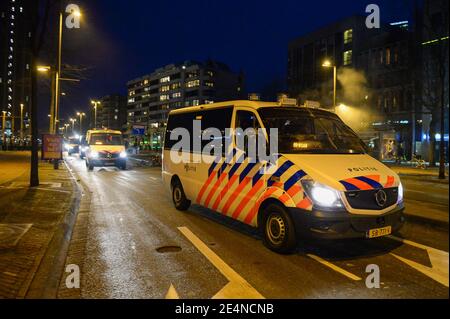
379	232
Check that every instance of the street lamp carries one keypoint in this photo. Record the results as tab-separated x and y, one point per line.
4	129
95	104
328	64
73	125
21	122
81	121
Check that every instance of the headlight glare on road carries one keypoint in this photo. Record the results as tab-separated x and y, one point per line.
322	195
400	193
94	154
123	154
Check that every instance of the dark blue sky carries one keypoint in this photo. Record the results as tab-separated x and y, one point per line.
121	40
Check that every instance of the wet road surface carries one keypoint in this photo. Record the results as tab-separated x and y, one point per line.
139	246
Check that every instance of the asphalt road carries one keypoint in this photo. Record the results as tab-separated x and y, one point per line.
139	246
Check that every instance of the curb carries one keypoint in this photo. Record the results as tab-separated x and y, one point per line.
45	283
429	221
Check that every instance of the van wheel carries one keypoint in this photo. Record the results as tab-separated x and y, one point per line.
90	167
278	229
179	197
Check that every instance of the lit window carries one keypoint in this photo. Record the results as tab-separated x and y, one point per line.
165	79
176	95
164	97
195	102
347	57
209	102
348	36
388	56
145	81
209	83
175	86
165	88
193	83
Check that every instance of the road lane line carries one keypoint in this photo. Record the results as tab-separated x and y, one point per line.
334	267
439	270
238	287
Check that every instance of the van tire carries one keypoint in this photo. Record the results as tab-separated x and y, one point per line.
278	229
179	197
90	167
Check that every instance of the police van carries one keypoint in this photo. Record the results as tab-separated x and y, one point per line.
320	183
105	148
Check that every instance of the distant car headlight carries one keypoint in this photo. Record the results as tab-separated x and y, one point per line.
322	195
84	149
400	193
123	154
94	154
67	147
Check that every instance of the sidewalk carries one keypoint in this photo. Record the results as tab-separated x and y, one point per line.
428	174
35	226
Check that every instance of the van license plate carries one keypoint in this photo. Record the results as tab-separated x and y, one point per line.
379	232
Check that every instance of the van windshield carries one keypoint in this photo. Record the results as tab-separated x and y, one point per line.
303	130
106	139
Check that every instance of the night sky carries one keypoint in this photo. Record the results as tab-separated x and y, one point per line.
122	40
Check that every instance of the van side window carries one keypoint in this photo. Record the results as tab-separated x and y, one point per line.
219	119
244	121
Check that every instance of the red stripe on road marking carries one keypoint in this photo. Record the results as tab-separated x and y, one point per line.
247	198
214	189
390	182
248	219
205	186
224	191
233	196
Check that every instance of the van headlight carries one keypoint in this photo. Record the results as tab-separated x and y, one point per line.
322	195
94	154
400	193
123	154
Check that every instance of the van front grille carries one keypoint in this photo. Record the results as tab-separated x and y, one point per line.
367	199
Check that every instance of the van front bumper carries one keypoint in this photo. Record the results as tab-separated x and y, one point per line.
342	224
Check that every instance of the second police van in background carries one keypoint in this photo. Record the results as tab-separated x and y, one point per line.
105	148
324	183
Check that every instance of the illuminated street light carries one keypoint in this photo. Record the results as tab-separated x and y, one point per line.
95	104
73	124
328	64
81	115
43	68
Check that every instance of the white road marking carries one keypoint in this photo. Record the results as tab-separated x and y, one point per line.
238	287
334	267
439	270
172	293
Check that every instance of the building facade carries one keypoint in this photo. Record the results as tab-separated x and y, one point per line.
15	70
375	77
112	113
151	97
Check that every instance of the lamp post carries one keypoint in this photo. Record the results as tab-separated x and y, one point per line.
80	114
4	129
66	127
21	122
328	64
95	104
73	125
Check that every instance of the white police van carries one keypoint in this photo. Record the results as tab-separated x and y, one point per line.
320	183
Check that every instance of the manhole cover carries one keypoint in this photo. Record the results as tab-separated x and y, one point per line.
168	249
10	234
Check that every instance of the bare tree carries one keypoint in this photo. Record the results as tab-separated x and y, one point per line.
435	74
40	15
